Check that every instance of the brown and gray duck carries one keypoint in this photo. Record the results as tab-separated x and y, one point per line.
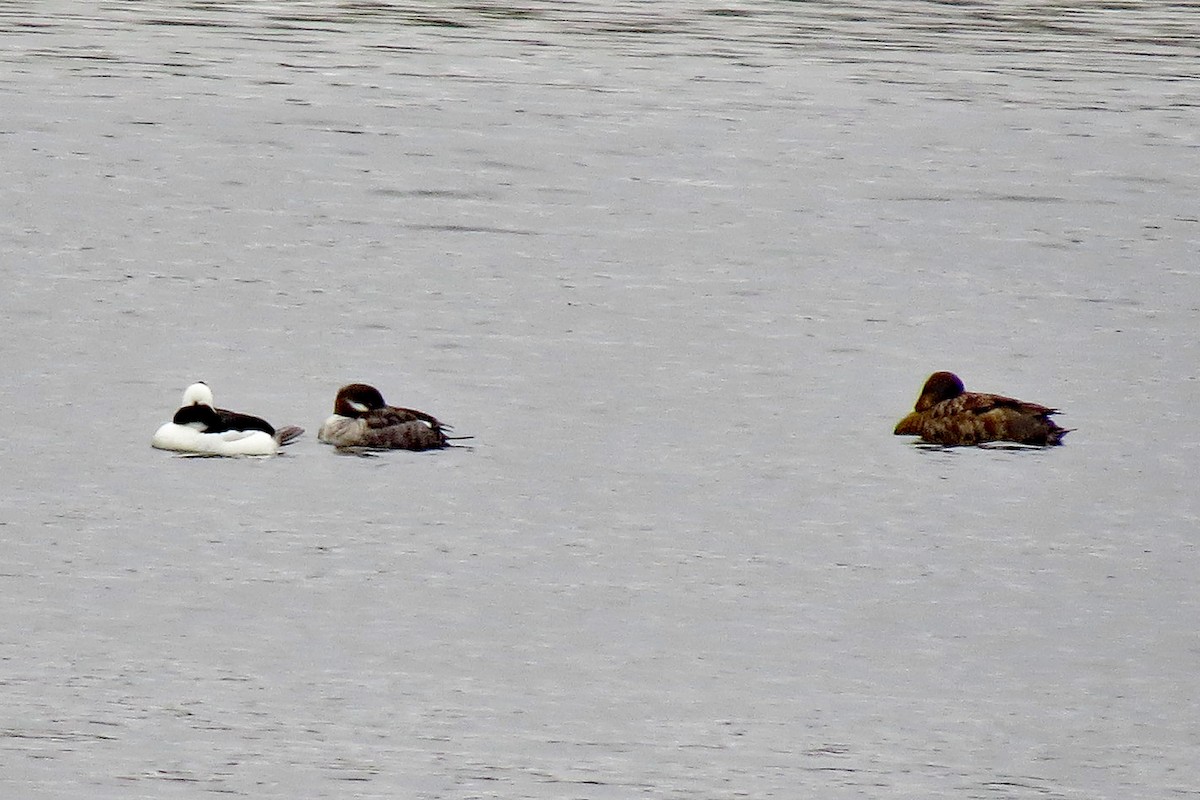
361	418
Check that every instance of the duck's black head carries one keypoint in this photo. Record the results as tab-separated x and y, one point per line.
200	416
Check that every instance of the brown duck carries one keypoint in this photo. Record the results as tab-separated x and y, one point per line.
361	419
946	414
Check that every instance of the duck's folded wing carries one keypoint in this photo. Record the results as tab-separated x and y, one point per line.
391	415
987	402
233	421
979	403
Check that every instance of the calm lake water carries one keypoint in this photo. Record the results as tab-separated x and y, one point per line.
679	268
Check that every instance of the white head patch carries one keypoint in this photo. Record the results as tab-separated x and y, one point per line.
198	394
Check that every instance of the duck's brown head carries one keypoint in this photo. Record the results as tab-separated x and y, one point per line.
356	399
940	386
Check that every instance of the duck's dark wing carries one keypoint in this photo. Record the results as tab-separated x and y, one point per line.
392	415
233	421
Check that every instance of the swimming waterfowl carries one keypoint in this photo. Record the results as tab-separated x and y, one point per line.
947	414
361	418
201	428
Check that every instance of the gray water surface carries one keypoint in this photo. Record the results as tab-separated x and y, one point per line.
679	268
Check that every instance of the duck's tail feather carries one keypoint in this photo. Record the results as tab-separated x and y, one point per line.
1057	434
288	434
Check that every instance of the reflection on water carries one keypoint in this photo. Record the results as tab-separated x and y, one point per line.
1145	38
1063	55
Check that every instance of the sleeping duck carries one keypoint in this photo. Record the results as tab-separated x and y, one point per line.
361	418
946	414
200	428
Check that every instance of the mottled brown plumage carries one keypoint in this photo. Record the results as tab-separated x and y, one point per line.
362	419
946	414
